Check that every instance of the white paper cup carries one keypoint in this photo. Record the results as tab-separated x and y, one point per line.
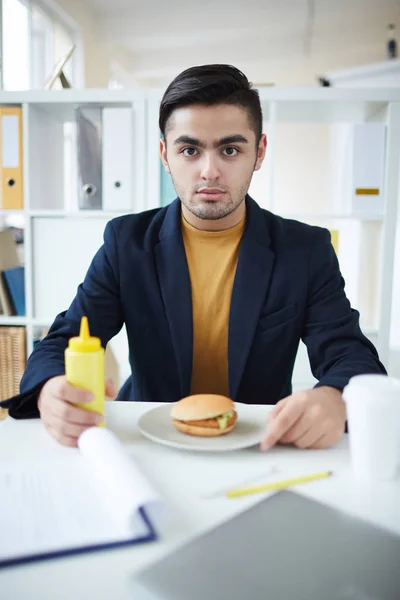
373	415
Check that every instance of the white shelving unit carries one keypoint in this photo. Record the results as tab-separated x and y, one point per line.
302	126
60	239
377	75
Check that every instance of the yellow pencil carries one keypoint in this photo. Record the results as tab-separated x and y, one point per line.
277	485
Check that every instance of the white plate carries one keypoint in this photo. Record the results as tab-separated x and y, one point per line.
156	424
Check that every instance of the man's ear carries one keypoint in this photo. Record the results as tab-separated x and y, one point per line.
262	147
163	154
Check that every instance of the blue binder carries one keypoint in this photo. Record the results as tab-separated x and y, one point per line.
147	534
15	283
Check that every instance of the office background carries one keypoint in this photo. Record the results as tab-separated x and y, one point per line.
126	53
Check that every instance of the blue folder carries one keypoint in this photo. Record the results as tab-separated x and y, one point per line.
15	283
147	534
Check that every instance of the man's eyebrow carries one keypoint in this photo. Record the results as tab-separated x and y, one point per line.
230	139
186	139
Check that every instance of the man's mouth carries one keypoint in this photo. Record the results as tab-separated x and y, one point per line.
210	193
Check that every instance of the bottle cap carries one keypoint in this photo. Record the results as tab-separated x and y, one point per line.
84	343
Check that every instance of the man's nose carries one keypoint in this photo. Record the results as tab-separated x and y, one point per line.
209	169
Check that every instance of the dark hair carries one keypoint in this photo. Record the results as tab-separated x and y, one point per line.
211	84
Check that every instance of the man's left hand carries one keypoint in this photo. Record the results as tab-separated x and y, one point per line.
308	419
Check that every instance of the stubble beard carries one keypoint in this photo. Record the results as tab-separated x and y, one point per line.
212	210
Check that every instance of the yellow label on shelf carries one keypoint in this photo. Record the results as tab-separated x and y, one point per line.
367	191
335	239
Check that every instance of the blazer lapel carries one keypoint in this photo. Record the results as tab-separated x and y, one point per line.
176	292
252	278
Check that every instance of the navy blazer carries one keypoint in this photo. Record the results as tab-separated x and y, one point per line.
287	287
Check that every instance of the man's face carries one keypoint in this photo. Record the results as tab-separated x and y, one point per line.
211	154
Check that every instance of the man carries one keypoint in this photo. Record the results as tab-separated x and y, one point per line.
215	292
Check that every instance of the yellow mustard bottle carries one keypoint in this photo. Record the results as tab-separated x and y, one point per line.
84	367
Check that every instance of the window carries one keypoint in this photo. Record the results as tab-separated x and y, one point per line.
42	47
35	37
50	41
15	45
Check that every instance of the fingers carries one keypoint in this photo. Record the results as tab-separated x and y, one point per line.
65	391
65	440
308	419
297	431
283	421
68	428
63	420
310	437
331	435
323	431
276	409
318	435
64	411
325	441
110	389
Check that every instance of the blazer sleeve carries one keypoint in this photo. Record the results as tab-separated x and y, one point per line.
336	346
98	297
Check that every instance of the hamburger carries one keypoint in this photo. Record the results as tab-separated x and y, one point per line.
204	415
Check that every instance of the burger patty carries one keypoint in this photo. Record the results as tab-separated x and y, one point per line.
211	422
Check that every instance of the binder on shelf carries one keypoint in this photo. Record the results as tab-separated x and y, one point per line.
368	168
168	193
14	279
8	260
335	240
11	158
89	158
117	138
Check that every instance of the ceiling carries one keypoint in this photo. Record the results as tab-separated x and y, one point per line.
280	41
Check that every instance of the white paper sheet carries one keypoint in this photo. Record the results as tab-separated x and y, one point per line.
130	489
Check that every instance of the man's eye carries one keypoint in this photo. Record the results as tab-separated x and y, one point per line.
189	151
230	151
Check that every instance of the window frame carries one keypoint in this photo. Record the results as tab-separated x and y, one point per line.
56	13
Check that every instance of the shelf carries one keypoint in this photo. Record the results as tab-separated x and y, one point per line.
331	216
42	322
15	321
72	96
11	321
387	68
124	97
25	321
85	214
61	104
11	213
294	104
99	214
320	94
370	331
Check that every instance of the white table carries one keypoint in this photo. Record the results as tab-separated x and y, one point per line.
183	478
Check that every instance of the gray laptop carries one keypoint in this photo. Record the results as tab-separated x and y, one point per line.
286	547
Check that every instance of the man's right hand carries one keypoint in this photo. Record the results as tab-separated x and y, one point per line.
64	421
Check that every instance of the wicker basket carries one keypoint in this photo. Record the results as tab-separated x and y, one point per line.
12	361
